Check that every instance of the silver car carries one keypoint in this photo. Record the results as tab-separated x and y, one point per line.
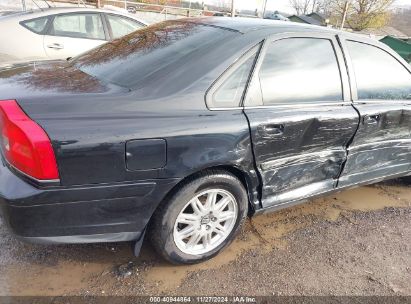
59	33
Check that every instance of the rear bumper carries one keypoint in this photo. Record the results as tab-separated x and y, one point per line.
83	214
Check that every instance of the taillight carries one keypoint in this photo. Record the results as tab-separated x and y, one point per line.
24	143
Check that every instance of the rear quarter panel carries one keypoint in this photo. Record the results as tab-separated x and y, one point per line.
90	141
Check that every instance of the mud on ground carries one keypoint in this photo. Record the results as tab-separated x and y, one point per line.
357	242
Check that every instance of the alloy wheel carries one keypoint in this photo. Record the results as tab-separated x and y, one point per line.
205	222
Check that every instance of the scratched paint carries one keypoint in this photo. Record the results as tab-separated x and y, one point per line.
309	151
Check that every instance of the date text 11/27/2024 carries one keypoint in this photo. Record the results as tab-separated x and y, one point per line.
200	299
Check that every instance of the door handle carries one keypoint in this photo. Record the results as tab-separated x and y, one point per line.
56	46
371	119
272	130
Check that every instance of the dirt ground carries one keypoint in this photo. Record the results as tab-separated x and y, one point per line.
357	242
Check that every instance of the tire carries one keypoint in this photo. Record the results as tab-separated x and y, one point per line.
217	229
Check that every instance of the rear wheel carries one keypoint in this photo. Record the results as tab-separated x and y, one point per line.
200	219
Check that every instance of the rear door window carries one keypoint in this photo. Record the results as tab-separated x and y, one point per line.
378	74
85	25
298	70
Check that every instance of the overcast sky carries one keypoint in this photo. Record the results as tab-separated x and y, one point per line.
280	5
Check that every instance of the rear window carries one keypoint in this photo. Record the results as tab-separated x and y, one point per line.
176	48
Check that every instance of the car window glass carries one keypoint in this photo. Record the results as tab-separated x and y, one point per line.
378	74
230	93
78	26
300	70
122	26
148	56
36	25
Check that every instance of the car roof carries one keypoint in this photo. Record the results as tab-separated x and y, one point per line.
247	25
31	14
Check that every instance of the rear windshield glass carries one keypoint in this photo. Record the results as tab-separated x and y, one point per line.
150	53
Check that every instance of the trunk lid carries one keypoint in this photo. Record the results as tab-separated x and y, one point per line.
47	79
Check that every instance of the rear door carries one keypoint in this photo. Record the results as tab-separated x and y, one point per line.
72	34
382	95
300	115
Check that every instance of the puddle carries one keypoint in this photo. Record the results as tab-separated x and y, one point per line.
36	280
170	276
374	198
66	270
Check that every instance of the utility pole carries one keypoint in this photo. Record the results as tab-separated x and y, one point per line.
232	9
189	9
347	3
23	5
264	8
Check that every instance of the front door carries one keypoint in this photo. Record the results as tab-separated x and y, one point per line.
300	115
382	146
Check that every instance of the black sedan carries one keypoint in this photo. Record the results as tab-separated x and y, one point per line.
180	130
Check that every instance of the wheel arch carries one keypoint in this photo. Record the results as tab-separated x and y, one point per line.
244	177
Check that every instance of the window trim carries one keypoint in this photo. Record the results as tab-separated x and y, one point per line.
345	87
110	30
353	81
44	31
52	17
253	51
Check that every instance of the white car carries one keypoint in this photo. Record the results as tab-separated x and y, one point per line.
60	33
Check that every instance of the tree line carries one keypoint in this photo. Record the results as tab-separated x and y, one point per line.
360	14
